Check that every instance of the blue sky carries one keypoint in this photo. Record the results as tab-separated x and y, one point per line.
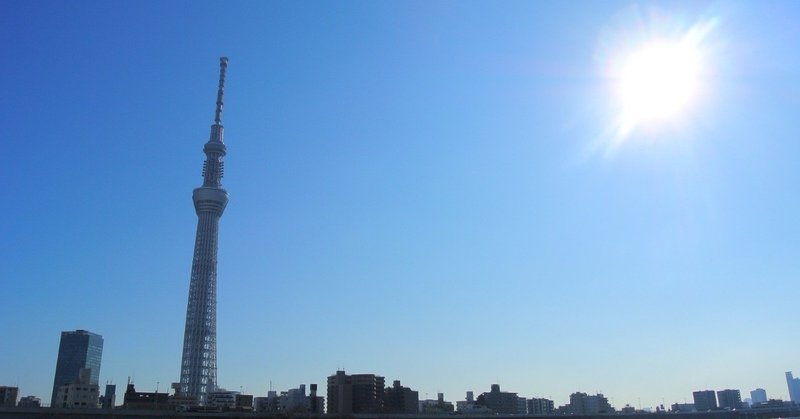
418	189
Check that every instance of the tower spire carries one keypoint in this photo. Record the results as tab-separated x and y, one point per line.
223	66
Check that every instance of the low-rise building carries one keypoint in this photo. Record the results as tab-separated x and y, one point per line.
682	407
499	401
585	404
436	407
8	396
133	399
79	394
30	401
222	399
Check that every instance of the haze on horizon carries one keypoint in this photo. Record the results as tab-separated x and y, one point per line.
437	192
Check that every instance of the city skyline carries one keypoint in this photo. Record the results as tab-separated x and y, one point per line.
423	191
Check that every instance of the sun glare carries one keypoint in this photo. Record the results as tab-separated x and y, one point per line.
658	81
657	74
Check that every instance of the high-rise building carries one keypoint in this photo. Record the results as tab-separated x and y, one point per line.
78	350
199	360
758	395
794	387
729	399
704	400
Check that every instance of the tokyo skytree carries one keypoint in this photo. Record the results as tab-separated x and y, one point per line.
199	361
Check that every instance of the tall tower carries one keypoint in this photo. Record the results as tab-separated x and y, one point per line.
199	361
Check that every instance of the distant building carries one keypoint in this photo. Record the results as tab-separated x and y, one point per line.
108	400
758	395
704	400
773	403
436	407
464	404
499	401
399	399
30	401
77	350
221	398
269	404
316	403
181	400
357	393
683	407
585	404
794	387
244	402
729	399
540	406
79	394
522	405
145	400
8	396
291	401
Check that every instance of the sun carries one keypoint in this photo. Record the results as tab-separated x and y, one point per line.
658	73
658	81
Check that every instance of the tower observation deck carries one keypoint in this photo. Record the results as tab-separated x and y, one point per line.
199	360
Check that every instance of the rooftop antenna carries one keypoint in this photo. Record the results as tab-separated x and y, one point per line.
223	66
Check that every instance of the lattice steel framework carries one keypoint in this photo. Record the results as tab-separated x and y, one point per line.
199	361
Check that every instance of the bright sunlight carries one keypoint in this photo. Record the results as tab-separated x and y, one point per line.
657	76
658	81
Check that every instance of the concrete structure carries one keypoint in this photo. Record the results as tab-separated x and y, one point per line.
221	398
729	399
522	405
436	407
244	402
399	399
77	350
794	387
499	401
199	360
30	401
109	398
357	393
145	400
291	401
316	403
294	400
80	393
585	404
704	400
8	396
683	407
269	404
540	406
758	395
